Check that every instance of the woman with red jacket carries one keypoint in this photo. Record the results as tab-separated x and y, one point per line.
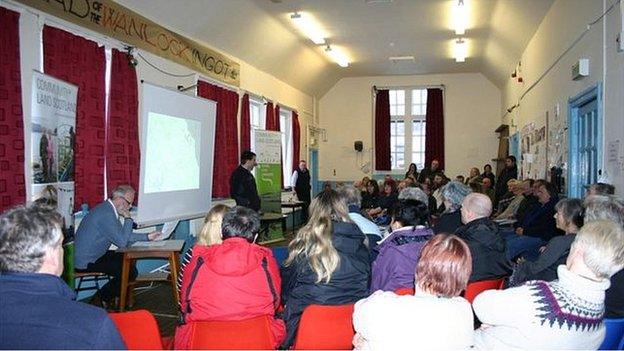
233	281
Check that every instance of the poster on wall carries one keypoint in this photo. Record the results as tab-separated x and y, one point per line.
53	137
558	149
267	146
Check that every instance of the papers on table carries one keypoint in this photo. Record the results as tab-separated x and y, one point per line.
148	244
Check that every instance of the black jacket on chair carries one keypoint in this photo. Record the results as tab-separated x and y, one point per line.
348	284
448	222
243	189
487	248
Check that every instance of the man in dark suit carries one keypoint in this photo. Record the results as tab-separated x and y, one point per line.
100	228
243	184
300	181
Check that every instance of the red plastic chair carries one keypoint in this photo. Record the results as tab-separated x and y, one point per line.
138	330
475	288
404	291
326	328
249	334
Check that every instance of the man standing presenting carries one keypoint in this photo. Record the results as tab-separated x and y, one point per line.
103	227
243	184
300	180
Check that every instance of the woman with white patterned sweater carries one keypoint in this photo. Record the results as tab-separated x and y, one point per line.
563	314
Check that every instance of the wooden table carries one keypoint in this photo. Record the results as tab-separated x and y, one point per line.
168	249
294	205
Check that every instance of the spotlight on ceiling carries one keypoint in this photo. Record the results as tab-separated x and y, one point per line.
337	56
461	50
460	17
308	27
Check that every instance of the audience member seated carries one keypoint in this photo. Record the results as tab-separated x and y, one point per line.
235	280
386	199
399	251
564	314
518	189
413	193
439	181
481	234
508	197
604	207
460	178
473	176
486	188
370	197
509	172
569	218
537	226
99	229
37	309
429	172
453	194
210	234
327	264
412	171
405	183
432	204
600	189
487	173
352	197
435	317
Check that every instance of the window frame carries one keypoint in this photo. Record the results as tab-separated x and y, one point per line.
409	111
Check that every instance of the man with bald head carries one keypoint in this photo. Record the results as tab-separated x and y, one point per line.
481	234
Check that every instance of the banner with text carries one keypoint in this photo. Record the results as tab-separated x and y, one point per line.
53	137
116	21
269	177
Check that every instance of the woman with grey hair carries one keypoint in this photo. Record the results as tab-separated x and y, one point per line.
569	217
608	207
453	194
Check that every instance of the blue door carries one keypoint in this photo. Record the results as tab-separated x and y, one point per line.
314	171
585	141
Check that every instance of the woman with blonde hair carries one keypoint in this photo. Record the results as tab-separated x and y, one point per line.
327	264
210	234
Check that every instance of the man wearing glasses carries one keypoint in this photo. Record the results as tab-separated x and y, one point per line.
108	223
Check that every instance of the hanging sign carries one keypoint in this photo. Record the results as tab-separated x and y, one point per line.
113	20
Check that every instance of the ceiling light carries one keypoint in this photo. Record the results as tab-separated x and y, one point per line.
460	17
401	58
308	27
461	50
337	56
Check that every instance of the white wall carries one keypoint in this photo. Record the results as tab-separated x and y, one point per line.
565	21
471	114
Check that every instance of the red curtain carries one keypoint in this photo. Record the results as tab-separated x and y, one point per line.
245	127
12	185
277	120
296	132
122	126
270	117
226	136
434	139
81	62
382	131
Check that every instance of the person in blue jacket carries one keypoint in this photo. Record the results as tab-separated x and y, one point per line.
37	309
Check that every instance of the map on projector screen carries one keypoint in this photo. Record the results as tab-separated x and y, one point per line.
172	153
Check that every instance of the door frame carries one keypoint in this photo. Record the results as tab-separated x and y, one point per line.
574	104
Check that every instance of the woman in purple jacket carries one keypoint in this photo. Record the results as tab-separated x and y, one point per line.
399	252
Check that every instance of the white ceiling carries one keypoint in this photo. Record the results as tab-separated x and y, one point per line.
260	33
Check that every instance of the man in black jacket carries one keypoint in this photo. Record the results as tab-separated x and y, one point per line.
243	184
300	181
481	234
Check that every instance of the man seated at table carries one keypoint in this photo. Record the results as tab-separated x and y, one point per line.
37	310
102	227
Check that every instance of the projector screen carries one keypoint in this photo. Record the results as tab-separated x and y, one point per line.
177	149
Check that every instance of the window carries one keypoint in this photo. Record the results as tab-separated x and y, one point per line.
257	120
408	109
287	145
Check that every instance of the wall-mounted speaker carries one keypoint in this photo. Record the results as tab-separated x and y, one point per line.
358	146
